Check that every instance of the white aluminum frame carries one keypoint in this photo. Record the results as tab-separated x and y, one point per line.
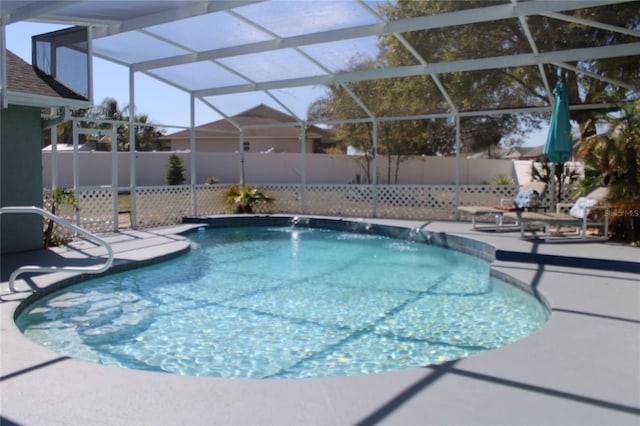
121	18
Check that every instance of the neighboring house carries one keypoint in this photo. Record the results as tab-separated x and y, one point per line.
532	153
223	136
27	91
512	153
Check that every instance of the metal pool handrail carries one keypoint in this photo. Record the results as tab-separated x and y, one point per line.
67	224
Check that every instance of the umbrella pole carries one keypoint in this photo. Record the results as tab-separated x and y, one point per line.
552	182
559	184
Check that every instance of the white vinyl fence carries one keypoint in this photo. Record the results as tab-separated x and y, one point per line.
427	190
94	169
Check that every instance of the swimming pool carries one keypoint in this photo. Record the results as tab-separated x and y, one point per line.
278	302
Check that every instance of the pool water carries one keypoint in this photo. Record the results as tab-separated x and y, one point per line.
283	302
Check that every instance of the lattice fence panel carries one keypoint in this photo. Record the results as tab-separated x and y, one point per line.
567	196
64	211
486	195
166	205
162	205
211	199
286	198
338	200
96	209
416	202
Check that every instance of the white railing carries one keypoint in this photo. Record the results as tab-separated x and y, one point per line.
63	222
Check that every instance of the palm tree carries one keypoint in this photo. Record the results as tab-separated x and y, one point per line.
245	198
147	136
109	110
613	159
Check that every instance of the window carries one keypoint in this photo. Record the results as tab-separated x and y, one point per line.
63	55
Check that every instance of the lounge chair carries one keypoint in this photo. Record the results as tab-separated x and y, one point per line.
581	216
527	198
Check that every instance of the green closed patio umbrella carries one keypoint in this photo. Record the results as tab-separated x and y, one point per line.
558	147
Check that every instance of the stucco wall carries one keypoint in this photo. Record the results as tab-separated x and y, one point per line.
20	177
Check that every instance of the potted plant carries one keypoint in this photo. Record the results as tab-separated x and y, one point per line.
244	198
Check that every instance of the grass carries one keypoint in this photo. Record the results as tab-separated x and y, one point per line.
124	202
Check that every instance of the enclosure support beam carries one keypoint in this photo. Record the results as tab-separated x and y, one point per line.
303	165
458	137
374	171
192	154
3	68
114	177
54	157
373	181
241	158
76	170
132	149
240	136
90	64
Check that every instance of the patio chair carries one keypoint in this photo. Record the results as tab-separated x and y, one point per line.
580	216
527	198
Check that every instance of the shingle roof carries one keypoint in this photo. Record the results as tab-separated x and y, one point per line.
24	78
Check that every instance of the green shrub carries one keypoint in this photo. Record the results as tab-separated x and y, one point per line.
245	198
175	171
59	198
503	180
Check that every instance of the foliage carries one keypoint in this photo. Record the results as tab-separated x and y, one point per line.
147	135
59	198
565	177
613	159
471	91
503	180
500	87
211	180
246	198
175	171
334	150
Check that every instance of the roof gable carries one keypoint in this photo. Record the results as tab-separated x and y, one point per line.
261	115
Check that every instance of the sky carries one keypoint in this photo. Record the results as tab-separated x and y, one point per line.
164	105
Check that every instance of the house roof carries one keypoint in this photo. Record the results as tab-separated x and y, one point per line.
259	121
28	86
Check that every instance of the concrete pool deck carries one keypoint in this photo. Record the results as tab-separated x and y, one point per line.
581	368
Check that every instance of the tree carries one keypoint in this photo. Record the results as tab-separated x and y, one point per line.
499	88
613	159
109	110
486	89
147	135
175	171
383	99
64	130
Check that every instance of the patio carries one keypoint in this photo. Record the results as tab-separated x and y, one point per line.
581	368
